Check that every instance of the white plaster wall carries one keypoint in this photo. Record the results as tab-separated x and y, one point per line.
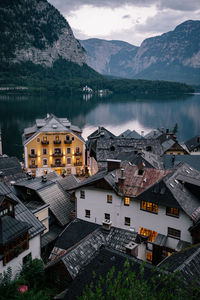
96	201
16	263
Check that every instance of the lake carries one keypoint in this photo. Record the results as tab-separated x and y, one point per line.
116	112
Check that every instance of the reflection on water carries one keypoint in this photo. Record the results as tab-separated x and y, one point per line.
117	113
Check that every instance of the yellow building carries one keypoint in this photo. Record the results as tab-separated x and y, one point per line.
54	144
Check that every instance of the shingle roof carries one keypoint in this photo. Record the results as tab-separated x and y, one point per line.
187	262
128	134
193	143
68	182
172	160
10	169
101	265
11	228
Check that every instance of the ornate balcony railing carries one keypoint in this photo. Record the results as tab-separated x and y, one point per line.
78	164
45	142
68	141
32	155
57	165
57	154
78	153
57	142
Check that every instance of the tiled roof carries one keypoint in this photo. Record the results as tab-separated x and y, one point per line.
101	265
172	160
193	143
11	228
128	134
187	262
10	169
68	182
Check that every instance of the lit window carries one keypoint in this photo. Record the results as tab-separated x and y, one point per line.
57	138
68	150
149	256
175	233
87	213
109	198
127	201
82	194
172	211
33	162
149	206
127	221
77	150
69	161
44	138
107	217
151	234
57	150
69	171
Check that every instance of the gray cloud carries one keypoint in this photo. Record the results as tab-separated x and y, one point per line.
66	6
126	17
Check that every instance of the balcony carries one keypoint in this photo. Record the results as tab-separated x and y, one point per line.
45	142
57	154
33	166
57	142
57	165
78	164
78	153
32	155
68	142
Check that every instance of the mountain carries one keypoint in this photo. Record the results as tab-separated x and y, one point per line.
33	30
109	57
173	56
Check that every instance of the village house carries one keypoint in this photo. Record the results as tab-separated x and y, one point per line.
54	144
160	204
20	231
193	145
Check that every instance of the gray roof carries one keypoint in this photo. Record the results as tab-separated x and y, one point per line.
84	252
11	228
153	134
51	235
166	145
162	241
52	124
187	262
193	143
51	193
10	169
22	213
68	182
128	134
172	160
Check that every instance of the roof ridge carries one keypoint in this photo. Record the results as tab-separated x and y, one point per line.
181	267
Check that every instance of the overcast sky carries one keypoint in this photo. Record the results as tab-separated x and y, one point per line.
127	20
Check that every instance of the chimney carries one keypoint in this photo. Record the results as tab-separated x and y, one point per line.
142	133
162	129
121	180
44	178
0	144
113	164
173	158
167	130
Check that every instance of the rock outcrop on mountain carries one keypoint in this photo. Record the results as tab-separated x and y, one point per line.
173	56
109	57
33	30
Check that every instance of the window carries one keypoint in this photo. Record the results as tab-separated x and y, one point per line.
107	217
67	137
174	233
87	213
72	138
44	151
127	201
33	162
33	151
77	150
109	198
68	150
57	150
149	206
57	138
38	140
44	138
57	161
148	232
68	160
69	171
82	194
149	256
44	162
127	221
172	211
27	258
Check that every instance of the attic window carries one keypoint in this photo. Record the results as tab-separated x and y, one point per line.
176	181
171	185
112	148
54	126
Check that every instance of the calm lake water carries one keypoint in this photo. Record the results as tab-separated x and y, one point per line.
116	113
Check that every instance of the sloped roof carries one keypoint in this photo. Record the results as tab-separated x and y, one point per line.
21	211
187	262
10	169
128	134
101	132
172	160
68	182
193	143
52	124
84	251
11	228
153	134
